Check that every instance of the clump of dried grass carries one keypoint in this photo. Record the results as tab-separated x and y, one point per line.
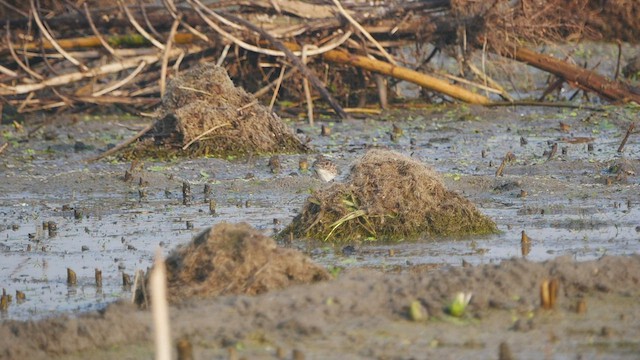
205	101
235	259
387	196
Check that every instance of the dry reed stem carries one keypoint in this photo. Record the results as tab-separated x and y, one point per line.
364	32
45	33
123	144
165	57
160	308
122	82
276	90
137	26
104	43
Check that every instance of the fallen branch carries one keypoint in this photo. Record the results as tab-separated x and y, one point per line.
582	78
399	72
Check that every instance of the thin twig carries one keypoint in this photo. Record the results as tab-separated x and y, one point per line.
3	147
77	76
253	48
137	26
53	42
17	59
626	137
104	42
305	85
277	89
296	62
223	55
122	82
124	144
364	32
617	73
7	5
165	57
143	10
204	134
170	6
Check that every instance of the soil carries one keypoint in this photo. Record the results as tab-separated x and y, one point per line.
580	212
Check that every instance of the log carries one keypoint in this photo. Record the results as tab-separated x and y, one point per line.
580	77
399	72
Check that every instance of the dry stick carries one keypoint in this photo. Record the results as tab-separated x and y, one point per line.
204	134
15	57
296	61
3	147
65	79
139	28
223	55
8	72
305	85
145	17
104	42
582	78
626	137
363	31
165	57
277	89
615	77
53	42
160	308
120	83
483	75
6	4
198	7
399	72
170	6
123	144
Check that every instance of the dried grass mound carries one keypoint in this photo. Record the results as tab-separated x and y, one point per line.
235	259
204	110
387	196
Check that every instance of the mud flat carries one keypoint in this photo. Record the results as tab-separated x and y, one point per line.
578	206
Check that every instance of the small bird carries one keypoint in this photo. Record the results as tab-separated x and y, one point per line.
325	169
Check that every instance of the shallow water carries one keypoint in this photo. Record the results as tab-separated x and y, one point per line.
568	210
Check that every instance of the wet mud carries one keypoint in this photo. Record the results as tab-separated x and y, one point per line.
572	204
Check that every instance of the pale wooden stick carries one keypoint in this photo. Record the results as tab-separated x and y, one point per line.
139	28
277	89
305	85
104	42
123	144
122	82
223	55
165	57
204	134
256	49
8	72
77	76
364	32
54	43
160	308
17	59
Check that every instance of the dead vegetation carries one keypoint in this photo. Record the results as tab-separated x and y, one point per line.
234	259
203	113
58	55
387	196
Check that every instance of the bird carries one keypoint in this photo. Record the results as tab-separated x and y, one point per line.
325	169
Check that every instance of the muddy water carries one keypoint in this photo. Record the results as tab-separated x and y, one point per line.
569	208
